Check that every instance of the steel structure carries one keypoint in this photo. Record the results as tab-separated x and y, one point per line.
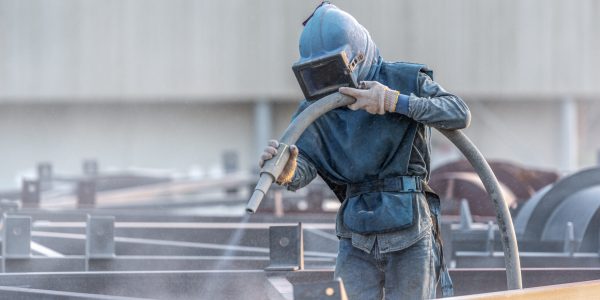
149	241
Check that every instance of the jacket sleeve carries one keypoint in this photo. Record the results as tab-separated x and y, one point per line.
305	173
436	107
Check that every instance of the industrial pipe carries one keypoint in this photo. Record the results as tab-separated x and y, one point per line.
273	168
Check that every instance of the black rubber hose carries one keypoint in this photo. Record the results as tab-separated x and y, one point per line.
273	167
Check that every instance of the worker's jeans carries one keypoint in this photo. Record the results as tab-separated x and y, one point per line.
404	274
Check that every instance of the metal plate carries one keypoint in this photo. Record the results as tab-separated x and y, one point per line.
100	237
286	248
16	237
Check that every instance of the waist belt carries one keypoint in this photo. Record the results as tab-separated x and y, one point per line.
394	184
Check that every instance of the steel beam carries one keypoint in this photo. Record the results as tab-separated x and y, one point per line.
9	292
181	285
467	259
77	263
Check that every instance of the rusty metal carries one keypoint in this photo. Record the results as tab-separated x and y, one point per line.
457	180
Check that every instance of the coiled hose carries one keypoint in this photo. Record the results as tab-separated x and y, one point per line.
273	168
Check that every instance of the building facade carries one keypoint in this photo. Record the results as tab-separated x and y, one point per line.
174	84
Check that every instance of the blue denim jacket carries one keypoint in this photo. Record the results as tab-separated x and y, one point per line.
373	153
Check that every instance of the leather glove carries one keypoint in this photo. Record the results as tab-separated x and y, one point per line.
290	168
373	97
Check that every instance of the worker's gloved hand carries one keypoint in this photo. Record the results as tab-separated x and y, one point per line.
290	168
373	97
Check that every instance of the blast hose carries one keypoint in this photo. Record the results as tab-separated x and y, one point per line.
273	168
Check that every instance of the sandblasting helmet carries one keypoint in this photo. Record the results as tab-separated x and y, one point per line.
335	51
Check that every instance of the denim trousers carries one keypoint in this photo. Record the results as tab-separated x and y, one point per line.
405	274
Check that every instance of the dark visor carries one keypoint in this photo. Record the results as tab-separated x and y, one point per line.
323	76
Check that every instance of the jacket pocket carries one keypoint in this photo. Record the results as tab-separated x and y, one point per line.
379	212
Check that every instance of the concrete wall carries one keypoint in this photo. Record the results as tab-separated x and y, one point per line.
143	50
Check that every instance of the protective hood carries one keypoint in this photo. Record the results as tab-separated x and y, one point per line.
331	30
349	146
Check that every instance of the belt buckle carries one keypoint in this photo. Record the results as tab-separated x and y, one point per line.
411	183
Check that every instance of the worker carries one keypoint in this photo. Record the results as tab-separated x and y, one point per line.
375	156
